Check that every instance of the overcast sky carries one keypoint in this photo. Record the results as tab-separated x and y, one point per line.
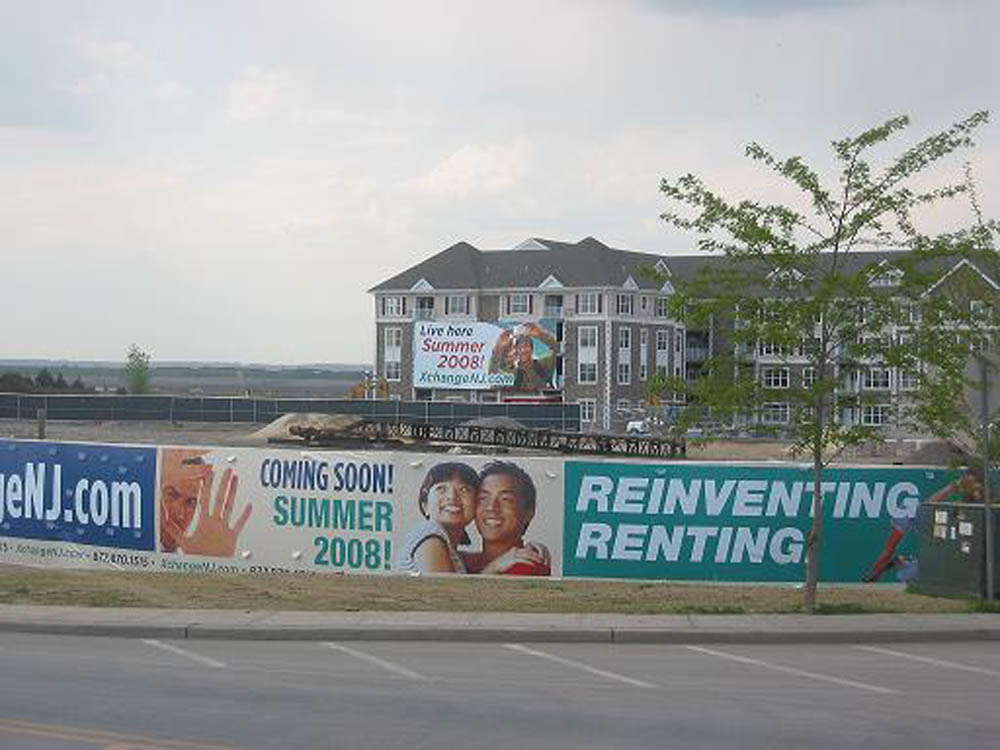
224	180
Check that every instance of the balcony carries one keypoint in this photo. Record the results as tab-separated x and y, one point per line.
422	313
696	353
552	311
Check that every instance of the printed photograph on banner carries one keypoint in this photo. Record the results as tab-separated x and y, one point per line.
198	510
479	517
518	355
896	560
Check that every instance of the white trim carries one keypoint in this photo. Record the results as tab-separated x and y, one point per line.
531	244
667	288
630	284
962	262
662	267
551	282
422	286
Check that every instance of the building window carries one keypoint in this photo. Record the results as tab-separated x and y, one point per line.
661	339
643	340
456	304
553	305
392	347
663	307
393	307
587	408
425	308
588	337
876	379
588	373
768	349
875	415
518	304
624	404
774	413
625	338
626	304
678	342
624	373
393	339
643	370
588	303
643	303
774	377
808	377
908	381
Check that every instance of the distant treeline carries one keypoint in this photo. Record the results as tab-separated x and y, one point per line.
43	382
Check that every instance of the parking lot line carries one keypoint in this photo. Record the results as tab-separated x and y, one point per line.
580	665
184	652
388	665
793	670
929	660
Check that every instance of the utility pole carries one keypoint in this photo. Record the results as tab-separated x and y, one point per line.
987	500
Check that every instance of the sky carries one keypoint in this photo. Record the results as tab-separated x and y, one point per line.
223	181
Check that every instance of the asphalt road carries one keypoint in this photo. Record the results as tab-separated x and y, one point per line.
61	693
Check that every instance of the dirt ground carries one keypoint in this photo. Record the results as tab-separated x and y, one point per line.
329	592
249	435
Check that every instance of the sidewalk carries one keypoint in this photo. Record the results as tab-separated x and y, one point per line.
496	627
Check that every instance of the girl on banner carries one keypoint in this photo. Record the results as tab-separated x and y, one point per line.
447	499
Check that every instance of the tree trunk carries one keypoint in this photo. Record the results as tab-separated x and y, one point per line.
815	535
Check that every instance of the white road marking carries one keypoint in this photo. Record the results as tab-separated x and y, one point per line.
580	665
183	652
402	671
792	670
929	660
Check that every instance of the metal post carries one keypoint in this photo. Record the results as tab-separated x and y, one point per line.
41	424
987	500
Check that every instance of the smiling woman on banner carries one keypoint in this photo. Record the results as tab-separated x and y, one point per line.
447	499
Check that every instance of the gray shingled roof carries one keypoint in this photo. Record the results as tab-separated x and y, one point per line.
587	263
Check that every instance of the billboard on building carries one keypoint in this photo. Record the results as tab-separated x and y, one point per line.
508	354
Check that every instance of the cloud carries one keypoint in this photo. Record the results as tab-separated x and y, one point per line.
475	170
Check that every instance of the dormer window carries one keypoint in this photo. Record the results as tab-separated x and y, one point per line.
785	276
662	268
886	277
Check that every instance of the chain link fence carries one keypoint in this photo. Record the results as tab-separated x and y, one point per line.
90	407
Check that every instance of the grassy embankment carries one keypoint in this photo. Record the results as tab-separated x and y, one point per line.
19	585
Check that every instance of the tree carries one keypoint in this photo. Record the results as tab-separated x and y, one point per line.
44	380
796	286
137	370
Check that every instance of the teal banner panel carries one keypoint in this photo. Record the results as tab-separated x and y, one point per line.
725	522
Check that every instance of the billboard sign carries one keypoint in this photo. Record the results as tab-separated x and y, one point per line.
733	523
508	354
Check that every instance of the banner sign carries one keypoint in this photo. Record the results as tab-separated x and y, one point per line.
278	510
516	355
253	510
84	494
733	523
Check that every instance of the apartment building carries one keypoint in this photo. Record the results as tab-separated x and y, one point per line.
609	320
601	325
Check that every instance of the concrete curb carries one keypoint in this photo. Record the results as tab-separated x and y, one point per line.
473	634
